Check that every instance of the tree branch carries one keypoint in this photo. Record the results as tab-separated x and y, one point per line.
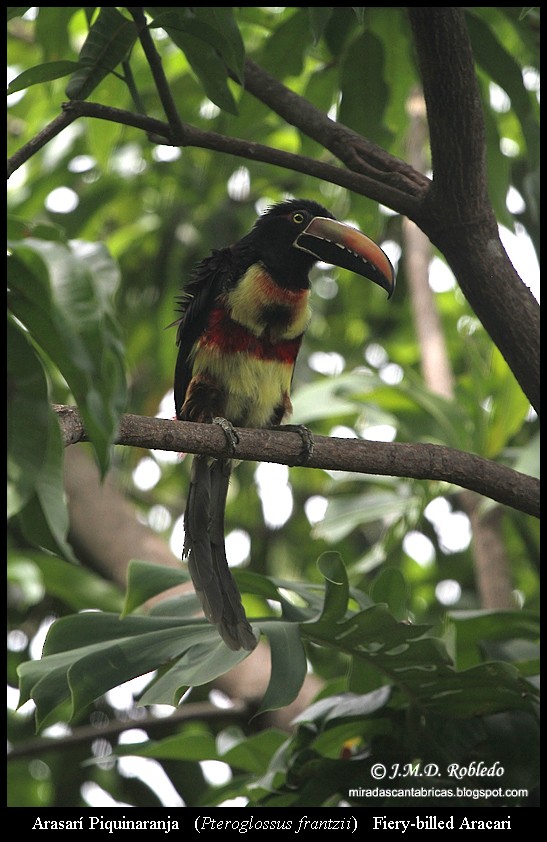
154	61
239	711
38	141
358	153
414	461
363	184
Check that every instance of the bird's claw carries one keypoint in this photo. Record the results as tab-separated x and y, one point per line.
232	438
306	436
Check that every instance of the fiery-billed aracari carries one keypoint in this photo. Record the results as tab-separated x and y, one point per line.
243	315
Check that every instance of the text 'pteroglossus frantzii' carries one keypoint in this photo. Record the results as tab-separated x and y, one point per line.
244	313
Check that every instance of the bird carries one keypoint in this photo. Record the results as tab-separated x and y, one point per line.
242	317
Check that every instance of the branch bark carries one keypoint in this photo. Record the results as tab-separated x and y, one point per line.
415	461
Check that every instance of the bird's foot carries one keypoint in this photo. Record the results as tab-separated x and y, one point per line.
232	438
306	436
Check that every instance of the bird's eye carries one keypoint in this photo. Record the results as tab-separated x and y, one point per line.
298	217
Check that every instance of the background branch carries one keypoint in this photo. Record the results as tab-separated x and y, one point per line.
491	565
415	461
458	216
154	61
365	185
239	711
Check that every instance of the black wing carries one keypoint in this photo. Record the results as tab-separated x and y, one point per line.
210	278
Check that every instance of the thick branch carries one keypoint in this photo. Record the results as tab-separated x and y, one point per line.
356	152
415	461
454	111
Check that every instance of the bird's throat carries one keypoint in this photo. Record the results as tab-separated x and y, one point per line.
267	310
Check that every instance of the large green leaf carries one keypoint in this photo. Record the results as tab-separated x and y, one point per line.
108	43
204	658
336	587
35	450
209	45
63	296
504	69
390	587
346	512
41	73
289	666
328	712
364	91
214	25
474	628
27	400
145	580
77	587
186	746
88	654
508	411
43	519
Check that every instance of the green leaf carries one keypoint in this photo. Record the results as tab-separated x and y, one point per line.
285	49
503	68
79	588
27	399
288	664
41	73
145	580
319	17
204	59
351	706
86	655
484	689
108	43
204	660
214	25
508	411
348	512
254	753
390	587
44	519
474	627
187	746
363	70
63	296
337	588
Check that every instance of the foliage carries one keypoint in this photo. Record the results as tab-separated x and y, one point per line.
409	679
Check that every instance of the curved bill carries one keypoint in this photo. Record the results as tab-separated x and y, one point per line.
334	242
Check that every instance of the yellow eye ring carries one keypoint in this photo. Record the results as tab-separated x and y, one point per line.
298	217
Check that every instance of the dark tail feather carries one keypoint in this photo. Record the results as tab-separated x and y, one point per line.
206	556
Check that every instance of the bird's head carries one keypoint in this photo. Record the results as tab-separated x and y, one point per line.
293	235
